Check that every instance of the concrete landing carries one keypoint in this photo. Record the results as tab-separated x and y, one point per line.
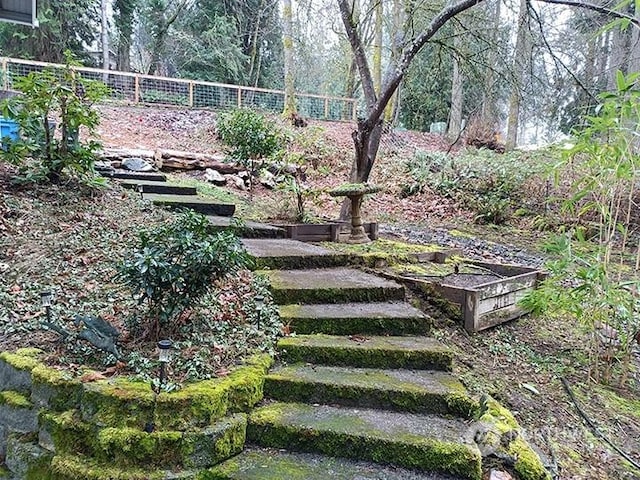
272	464
293	254
331	285
380	318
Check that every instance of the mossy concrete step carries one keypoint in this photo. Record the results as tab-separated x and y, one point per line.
421	442
198	204
158	187
376	318
121	175
331	285
420	353
245	229
292	254
416	391
272	464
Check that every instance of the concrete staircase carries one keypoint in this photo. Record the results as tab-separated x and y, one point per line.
155	188
359	380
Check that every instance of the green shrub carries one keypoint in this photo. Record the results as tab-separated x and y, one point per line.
175	265
62	94
483	181
249	135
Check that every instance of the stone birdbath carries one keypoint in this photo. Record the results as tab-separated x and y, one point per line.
355	192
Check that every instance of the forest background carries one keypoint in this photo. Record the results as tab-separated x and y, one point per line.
525	71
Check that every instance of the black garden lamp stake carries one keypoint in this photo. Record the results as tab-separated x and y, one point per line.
164	357
259	301
46	298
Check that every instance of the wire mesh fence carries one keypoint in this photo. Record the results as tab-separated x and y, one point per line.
138	89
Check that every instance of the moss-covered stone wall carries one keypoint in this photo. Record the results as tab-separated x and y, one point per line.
52	426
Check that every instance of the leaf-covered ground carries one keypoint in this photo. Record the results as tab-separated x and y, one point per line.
62	237
68	239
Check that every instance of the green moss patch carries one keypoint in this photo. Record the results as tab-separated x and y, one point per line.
505	435
122	403
422	353
388	318
82	468
420	442
14	399
330	285
402	390
19	362
388	251
130	447
263	464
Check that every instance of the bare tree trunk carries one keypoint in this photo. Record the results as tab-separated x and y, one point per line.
377	47
104	38
455	113
489	112
124	11
520	62
289	86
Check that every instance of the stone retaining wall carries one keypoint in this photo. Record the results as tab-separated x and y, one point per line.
54	427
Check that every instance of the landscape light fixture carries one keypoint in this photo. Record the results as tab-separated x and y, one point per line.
141	191
164	357
46	298
259	302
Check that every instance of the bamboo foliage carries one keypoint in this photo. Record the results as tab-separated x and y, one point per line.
598	260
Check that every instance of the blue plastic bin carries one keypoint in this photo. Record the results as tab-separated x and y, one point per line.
8	129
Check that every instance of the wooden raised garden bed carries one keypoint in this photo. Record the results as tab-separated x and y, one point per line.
482	294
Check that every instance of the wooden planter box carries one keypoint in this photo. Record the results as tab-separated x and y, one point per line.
484	305
325	232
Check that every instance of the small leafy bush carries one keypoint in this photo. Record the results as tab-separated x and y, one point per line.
249	135
175	265
63	94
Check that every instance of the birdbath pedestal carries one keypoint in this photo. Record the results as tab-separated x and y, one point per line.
355	192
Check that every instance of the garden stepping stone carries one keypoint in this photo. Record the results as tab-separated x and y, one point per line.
424	442
331	285
198	204
417	391
146	186
292	254
375	318
422	353
270	464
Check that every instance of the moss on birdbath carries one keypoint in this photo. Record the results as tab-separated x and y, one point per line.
355	192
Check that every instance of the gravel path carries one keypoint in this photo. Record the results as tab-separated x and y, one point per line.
475	248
